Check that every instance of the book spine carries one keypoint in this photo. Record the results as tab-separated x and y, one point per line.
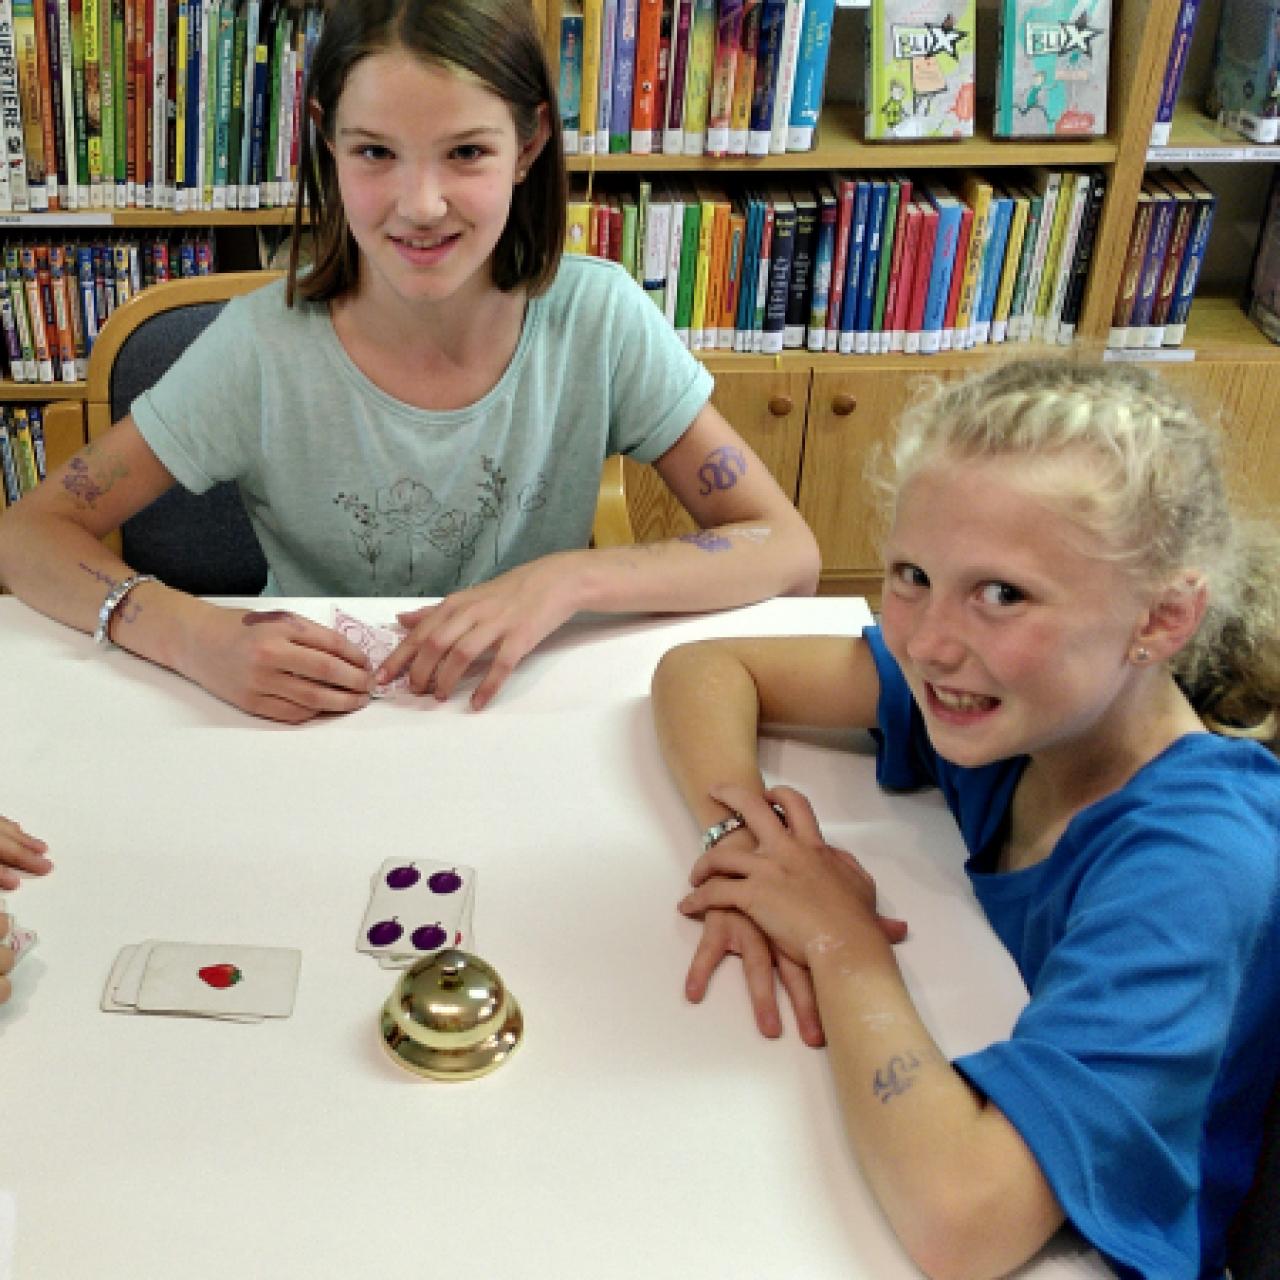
93	111
624	68
161	197
645	121
15	364
673	130
120	93
24	453
744	78
75	32
697	93
50	107
768	53
944	255
785	78
1083	258
1009	268
675	245
235	130
993	262
1044	233
728	45
1189	272
1127	291
853	269
58	109
763	261
1152	264
1179	238
1066	258
13	156
1007	32
608	52
1053	252
964	247
872	240
811	74
222	120
899	192
62	313
251	26
902	282
1174	71
750	273
846	198
592	21
978	194
690	234
801	284
736	256
775	313
929	223
823	263
36	316
24	27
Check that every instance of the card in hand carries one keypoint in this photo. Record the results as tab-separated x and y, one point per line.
375	642
415	909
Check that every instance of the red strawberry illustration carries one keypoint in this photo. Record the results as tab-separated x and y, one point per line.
221	976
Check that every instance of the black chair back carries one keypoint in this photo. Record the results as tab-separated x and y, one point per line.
204	543
1254	1248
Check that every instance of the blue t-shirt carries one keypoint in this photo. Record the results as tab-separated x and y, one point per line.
1149	941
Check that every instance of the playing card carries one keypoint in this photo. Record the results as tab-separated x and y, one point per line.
416	908
129	977
219	981
376	642
110	1003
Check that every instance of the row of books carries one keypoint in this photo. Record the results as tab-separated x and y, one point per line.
56	295
22	461
1171	224
167	104
859	265
1244	86
746	77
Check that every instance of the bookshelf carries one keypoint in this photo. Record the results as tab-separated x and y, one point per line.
815	418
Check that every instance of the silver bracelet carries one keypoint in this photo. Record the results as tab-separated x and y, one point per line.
734	822
115	598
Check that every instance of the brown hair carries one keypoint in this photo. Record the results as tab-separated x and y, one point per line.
1151	488
495	41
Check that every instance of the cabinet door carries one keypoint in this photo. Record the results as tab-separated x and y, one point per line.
850	414
1245	395
767	408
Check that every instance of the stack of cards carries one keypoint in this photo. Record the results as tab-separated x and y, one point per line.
376	642
204	980
415	909
18	940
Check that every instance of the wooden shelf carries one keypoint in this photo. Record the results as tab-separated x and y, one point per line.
149	218
830	362
1220	329
1194	138
21	392
840	145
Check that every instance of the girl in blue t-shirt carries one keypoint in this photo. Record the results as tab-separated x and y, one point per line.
1075	636
435	193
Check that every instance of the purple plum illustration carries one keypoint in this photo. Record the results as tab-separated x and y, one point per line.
403	877
385	932
428	937
445	882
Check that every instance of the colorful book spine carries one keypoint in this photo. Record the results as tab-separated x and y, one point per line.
24	31
690	238
728	45
697	92
569	90
780	260
978	194
222	113
1175	68
846	199
811	74
122	96
946	248
68	169
646	121
964	236
899	195
902	280
48	61
589	86
675	246
848	321
773	15
1009	267
624	75
920	72
872	240
993	260
785	80
235	132
797	315
1189	271
914	332
1066	254
1179	237
1049	184
744	78
1052	68
673	130
13	156
1131	272
823	261
1163	206
1074	300
75	35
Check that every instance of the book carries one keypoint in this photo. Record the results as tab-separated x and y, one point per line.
802	260
902	275
920	71
592	22
946	247
735	259
823	261
697	90
1079	198
681	26
847	326
978	194
1244	85
646	124
773	15
690	238
675	245
994	255
1052	68
1131	271
779	278
29	87
846	195
48	63
1179	237
1074	300
785	77
604	80
624	75
744	78
913	330
877	205
13	155
1048	183
78	127
745	314
1171	86
655	244
1020	220
899	195
11	488
224	74
964	236
1163	207
569	88
728	45
1053	252
1189	270
810	75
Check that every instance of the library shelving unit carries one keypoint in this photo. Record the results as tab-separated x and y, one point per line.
814	418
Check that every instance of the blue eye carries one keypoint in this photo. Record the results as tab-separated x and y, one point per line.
1001	594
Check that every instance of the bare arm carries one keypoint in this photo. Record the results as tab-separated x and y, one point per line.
753	545
956	1180
51	556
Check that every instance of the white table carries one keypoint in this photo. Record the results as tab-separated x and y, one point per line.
632	1135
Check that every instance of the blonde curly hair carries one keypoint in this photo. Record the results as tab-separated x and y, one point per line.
1150	487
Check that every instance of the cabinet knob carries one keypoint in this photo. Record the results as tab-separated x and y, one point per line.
780	406
843	404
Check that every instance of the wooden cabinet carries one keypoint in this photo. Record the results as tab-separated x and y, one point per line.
767	407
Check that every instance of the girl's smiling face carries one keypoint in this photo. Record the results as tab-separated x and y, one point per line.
427	160
1012	627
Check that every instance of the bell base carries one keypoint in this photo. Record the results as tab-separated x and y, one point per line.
468	1063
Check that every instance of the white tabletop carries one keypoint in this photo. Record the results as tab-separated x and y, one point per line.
631	1135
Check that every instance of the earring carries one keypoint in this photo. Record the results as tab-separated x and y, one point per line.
521	174
1141	655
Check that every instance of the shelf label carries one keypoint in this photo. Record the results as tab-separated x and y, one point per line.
1162	355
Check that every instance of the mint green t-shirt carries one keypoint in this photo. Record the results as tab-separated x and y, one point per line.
352	492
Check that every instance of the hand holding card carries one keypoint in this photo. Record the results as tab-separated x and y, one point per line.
375	642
